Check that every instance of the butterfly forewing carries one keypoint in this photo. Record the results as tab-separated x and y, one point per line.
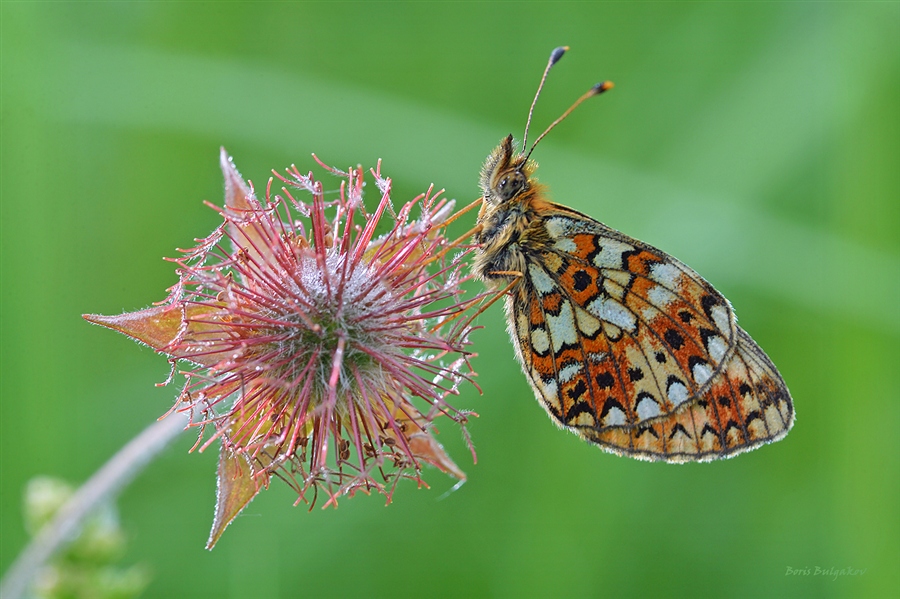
634	351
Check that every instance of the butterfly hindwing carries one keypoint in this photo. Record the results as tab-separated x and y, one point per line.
634	351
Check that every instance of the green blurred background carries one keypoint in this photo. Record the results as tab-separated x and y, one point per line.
756	142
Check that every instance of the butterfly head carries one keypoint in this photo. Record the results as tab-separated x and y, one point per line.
506	173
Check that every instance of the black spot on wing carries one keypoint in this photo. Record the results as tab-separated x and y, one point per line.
679	428
577	408
605	380
581	280
608	405
693	363
553	409
578	390
754	415
674	339
708	429
593	253
708	302
695	360
733	425
706	335
674	380
646	429
645	395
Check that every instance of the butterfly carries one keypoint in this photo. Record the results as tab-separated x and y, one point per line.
624	345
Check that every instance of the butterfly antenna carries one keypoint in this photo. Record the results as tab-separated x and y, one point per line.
554	58
594	91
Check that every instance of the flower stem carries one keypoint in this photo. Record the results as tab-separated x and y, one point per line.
105	483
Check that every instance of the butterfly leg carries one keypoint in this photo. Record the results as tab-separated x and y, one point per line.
496	295
509	273
459	240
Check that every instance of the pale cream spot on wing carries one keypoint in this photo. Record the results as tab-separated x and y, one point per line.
733	436
552	262
701	373
646	379
540	341
649	312
647	408
681	443
568	372
716	347
707	442
611	330
615	417
720	317
557	228
622	277
610	254
548	390
756	428
750	403
540	279
773	419
587	323
566	244
660	296
709	436
611	311
562	327
522	320
665	274
785	413
677	393
583	419
614	289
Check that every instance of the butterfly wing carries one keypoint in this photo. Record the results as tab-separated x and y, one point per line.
632	350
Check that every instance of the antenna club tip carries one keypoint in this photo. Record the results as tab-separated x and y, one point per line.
557	54
603	87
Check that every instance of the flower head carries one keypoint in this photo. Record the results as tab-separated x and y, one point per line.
321	350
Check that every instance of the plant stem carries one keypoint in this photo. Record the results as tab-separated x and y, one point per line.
105	483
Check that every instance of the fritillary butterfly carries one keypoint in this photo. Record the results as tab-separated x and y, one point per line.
624	345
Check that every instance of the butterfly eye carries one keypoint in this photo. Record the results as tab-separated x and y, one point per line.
510	185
